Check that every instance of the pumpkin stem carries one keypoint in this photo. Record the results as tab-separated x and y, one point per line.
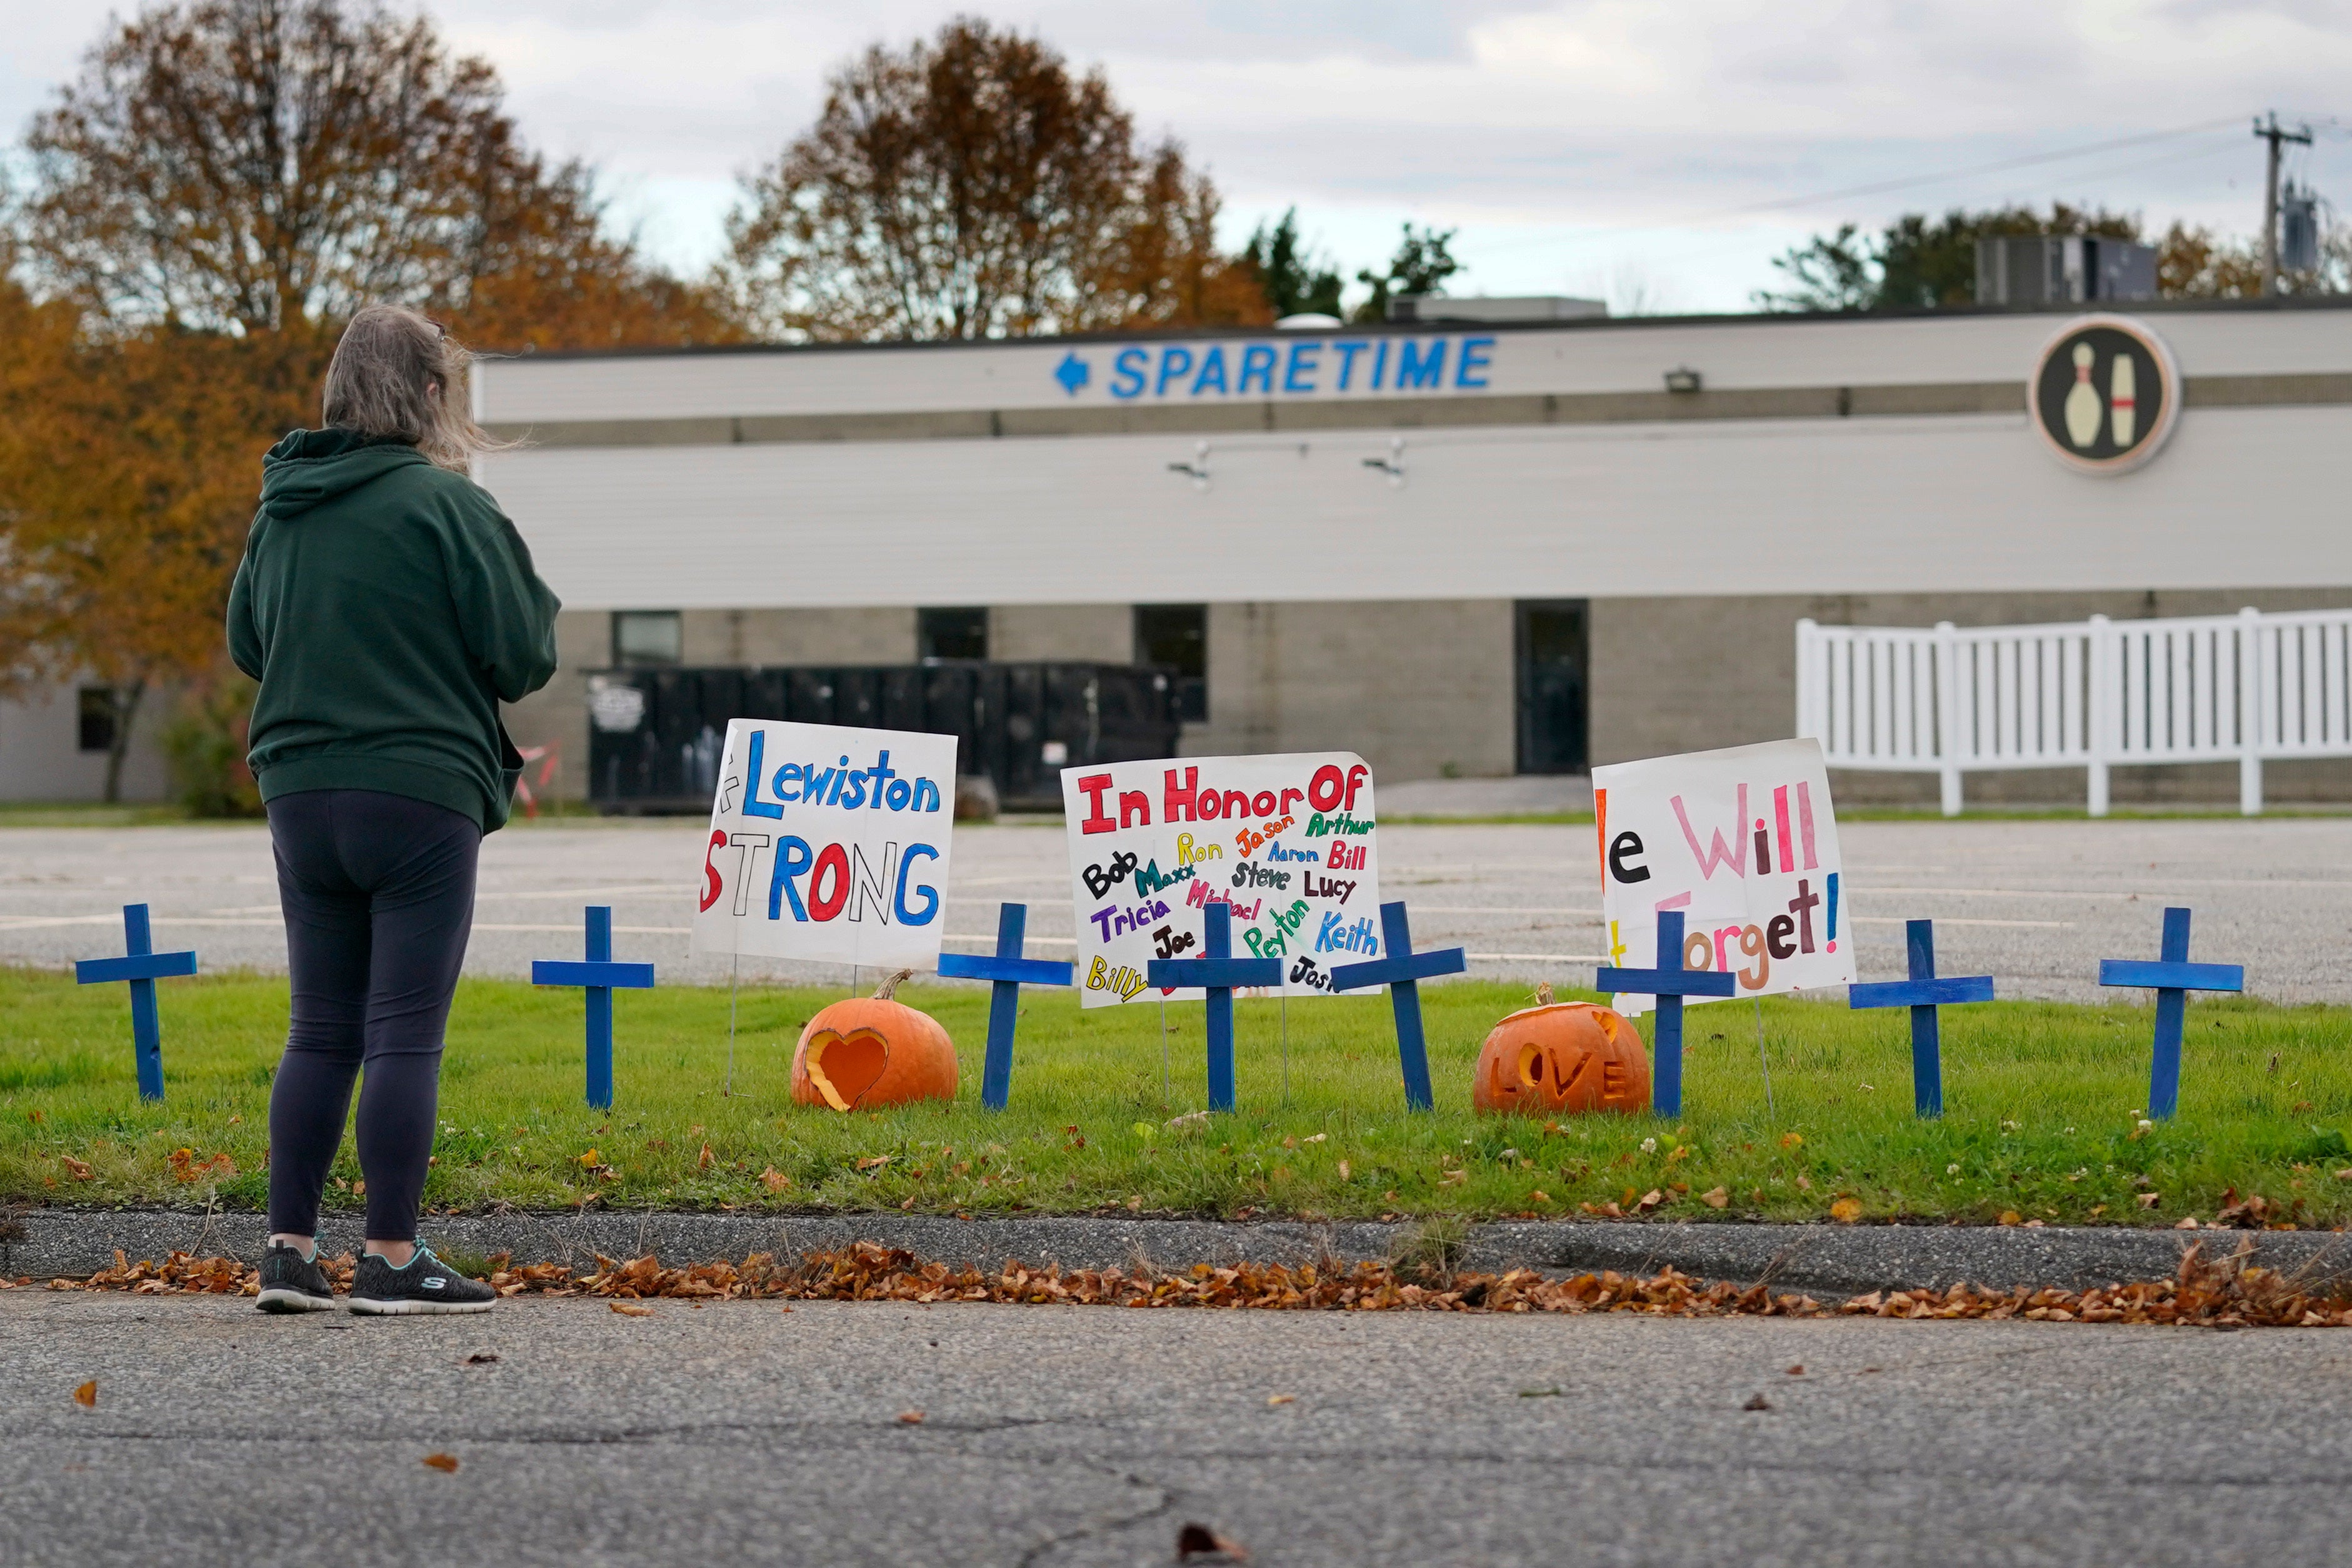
889	988
1543	993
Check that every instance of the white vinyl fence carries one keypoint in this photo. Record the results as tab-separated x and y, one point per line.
2245	688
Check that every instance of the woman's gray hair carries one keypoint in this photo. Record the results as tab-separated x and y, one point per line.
397	376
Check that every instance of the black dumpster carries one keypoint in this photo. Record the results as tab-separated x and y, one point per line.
655	734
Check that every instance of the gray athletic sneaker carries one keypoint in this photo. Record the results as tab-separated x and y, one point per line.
293	1283
423	1284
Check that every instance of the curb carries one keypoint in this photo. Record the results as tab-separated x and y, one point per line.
1821	1259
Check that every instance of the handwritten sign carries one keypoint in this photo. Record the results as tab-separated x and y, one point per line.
1287	843
1744	843
828	843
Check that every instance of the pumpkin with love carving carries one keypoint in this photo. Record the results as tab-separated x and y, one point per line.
1562	1057
872	1050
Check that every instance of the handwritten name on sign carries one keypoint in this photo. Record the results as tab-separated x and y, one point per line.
1744	842
828	843
1287	843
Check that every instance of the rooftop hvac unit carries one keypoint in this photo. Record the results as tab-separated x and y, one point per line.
1429	309
2299	229
2063	269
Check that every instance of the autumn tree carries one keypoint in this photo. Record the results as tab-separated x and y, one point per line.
1166	269
1423	263
260	165
221	186
969	186
127	472
1296	279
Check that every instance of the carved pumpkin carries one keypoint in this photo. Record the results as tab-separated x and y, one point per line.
872	1050
1567	1056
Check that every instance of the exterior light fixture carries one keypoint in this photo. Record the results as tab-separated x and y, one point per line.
1681	378
1197	468
1392	464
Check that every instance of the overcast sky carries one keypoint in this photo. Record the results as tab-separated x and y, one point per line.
1657	154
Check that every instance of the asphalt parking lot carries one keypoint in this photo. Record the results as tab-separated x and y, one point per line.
2036	904
1062	1436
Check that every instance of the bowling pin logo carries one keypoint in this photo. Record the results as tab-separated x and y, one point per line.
2121	403
2103	393
2083	408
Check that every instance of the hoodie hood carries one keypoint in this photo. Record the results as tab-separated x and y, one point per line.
310	467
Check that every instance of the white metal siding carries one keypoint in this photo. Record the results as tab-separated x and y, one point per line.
2242	495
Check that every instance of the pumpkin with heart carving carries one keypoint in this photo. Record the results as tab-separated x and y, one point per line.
1565	1056
872	1050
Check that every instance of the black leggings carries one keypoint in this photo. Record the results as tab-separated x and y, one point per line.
378	891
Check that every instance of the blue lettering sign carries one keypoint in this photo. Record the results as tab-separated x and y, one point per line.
1302	363
1257	360
1126	372
1292	367
1212	364
1175	360
1474	357
1415	371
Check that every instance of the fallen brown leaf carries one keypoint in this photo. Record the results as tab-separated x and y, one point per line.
774	1179
445	1463
1200	1541
1757	1402
1718	1198
1343	1170
1281	1399
1798	1370
704	1163
2150	1199
1846	1210
78	1169
87	1395
2230	1291
910	1418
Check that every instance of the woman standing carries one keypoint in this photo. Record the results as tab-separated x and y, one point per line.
387	607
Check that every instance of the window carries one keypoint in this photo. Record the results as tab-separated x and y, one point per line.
952	633
648	637
1552	659
1177	635
96	715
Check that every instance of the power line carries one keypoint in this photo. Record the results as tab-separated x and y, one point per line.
1882	186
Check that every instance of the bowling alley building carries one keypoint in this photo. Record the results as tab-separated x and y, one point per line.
1497	538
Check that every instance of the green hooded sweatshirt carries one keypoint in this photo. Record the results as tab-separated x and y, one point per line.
387	606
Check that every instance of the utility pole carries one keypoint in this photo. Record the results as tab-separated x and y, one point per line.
2275	136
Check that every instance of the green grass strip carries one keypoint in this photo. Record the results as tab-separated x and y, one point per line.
2041	1100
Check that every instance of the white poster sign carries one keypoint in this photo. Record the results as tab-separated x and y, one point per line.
1286	842
1744	842
828	843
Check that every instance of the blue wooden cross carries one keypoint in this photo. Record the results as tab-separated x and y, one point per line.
1923	993
1218	972
600	976
143	966
1401	972
2173	976
1009	971
1670	986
